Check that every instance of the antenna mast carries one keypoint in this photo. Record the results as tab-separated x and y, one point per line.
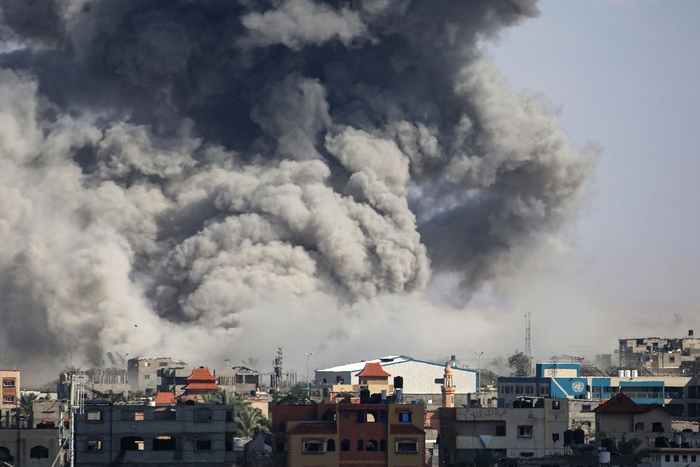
528	347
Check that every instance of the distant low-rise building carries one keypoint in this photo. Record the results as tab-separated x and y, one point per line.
420	380
659	356
143	372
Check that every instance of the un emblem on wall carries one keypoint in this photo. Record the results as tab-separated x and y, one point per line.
577	386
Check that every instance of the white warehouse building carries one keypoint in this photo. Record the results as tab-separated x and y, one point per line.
421	379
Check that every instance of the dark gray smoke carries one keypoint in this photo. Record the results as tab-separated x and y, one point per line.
177	161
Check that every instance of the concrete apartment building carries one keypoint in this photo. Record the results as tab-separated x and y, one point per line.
29	447
10	387
143	372
534	429
137	435
348	433
658	356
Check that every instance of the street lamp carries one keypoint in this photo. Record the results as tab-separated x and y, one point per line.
308	383
478	371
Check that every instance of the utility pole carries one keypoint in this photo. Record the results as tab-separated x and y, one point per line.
308	383
478	371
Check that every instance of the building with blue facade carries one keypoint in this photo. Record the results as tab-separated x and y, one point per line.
564	381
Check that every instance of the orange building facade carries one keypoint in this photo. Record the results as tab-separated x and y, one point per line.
377	434
10	387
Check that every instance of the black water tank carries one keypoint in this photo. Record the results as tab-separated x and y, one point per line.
661	442
568	437
579	436
398	382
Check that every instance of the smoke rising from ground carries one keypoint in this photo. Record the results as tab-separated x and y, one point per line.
166	166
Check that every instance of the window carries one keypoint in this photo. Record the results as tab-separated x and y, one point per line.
163	364
556	405
667	458
405	417
371	445
675	458
527	454
39	452
162	414
371	417
585	408
131	415
9	399
684	458
671	359
382	416
5	455
361	416
500	430
529	390
657	427
164	443
360	445
94	444
131	443
518	389
639	426
312	446
202	415
693	458
146	376
330	445
525	431
94	416
202	444
382	445
406	446
508	389
281	447
9	383
345	445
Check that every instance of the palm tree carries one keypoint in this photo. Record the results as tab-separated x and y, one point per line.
630	452
26	407
249	419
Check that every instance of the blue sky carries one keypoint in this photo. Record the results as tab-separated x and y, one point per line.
625	74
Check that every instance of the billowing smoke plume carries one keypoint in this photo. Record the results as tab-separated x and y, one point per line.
176	162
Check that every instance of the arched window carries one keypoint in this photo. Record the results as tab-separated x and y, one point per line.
371	445
5	455
361	416
372	417
131	443
330	446
39	452
360	445
345	445
164	443
382	445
